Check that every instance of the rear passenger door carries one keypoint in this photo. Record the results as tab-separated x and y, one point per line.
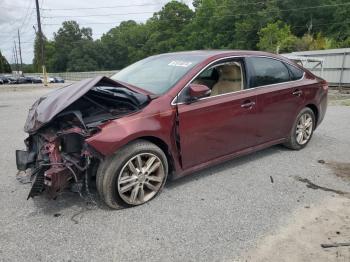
279	97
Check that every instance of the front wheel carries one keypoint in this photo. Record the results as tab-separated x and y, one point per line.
132	176
302	130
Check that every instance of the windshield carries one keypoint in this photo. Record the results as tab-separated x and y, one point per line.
157	74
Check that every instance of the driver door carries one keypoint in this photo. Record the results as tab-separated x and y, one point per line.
217	126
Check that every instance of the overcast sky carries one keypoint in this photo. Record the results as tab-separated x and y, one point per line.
100	15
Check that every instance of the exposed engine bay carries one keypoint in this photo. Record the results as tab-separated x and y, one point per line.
56	155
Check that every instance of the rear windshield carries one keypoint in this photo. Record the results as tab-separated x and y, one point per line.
157	74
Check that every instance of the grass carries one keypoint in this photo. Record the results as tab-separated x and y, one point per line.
345	102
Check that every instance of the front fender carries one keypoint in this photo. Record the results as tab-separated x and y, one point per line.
119	132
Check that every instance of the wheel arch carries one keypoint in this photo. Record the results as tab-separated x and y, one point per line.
164	147
314	109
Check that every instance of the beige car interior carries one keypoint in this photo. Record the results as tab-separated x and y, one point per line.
229	79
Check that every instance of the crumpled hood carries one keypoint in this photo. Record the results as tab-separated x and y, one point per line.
50	105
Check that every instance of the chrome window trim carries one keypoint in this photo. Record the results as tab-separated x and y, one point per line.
173	103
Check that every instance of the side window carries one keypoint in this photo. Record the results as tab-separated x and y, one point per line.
222	78
266	71
208	77
207	73
295	73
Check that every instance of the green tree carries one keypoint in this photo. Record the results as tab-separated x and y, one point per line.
277	37
4	65
37	52
202	31
344	44
89	56
213	24
338	26
230	23
123	44
28	68
251	18
69	37
307	16
166	28
317	42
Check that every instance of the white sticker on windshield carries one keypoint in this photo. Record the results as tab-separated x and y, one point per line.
180	63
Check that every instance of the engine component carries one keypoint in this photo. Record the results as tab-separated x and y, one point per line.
56	179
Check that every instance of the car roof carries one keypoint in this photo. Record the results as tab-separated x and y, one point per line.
223	53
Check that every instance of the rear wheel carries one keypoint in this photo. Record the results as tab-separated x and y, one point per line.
302	130
132	176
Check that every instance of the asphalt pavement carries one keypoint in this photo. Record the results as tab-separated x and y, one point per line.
214	215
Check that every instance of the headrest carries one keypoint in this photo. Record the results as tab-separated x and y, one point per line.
230	73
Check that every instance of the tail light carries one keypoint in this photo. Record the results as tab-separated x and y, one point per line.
325	85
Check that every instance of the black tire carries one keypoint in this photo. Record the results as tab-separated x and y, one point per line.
292	142
110	169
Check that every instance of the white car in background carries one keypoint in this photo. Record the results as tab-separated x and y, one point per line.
49	79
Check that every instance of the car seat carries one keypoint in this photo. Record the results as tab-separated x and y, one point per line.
230	80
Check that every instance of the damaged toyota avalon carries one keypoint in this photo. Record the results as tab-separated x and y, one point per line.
167	116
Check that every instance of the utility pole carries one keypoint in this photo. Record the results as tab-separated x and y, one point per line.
20	51
13	69
16	58
41	40
13	59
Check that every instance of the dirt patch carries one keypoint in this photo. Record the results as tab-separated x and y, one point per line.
307	229
340	169
339	97
312	185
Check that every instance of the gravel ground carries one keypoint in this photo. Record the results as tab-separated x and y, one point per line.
214	215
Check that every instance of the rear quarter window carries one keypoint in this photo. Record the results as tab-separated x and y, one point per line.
295	73
266	71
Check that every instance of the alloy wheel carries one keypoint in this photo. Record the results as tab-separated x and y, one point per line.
304	129
141	178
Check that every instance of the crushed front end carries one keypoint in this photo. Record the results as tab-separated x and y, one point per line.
56	159
57	156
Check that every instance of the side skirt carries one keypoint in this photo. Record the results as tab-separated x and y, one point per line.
228	157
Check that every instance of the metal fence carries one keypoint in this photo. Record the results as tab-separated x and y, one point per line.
76	76
336	65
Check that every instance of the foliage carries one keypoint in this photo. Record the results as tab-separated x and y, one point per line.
4	65
270	25
277	37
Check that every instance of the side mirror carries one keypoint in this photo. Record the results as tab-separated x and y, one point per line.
197	91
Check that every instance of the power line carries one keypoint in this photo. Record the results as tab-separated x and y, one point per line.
228	15
214	16
122	6
97	7
27	15
24	19
114	14
228	31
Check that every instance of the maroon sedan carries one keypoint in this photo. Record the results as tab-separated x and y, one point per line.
167	116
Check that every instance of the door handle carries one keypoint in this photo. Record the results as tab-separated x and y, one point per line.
248	104
297	93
